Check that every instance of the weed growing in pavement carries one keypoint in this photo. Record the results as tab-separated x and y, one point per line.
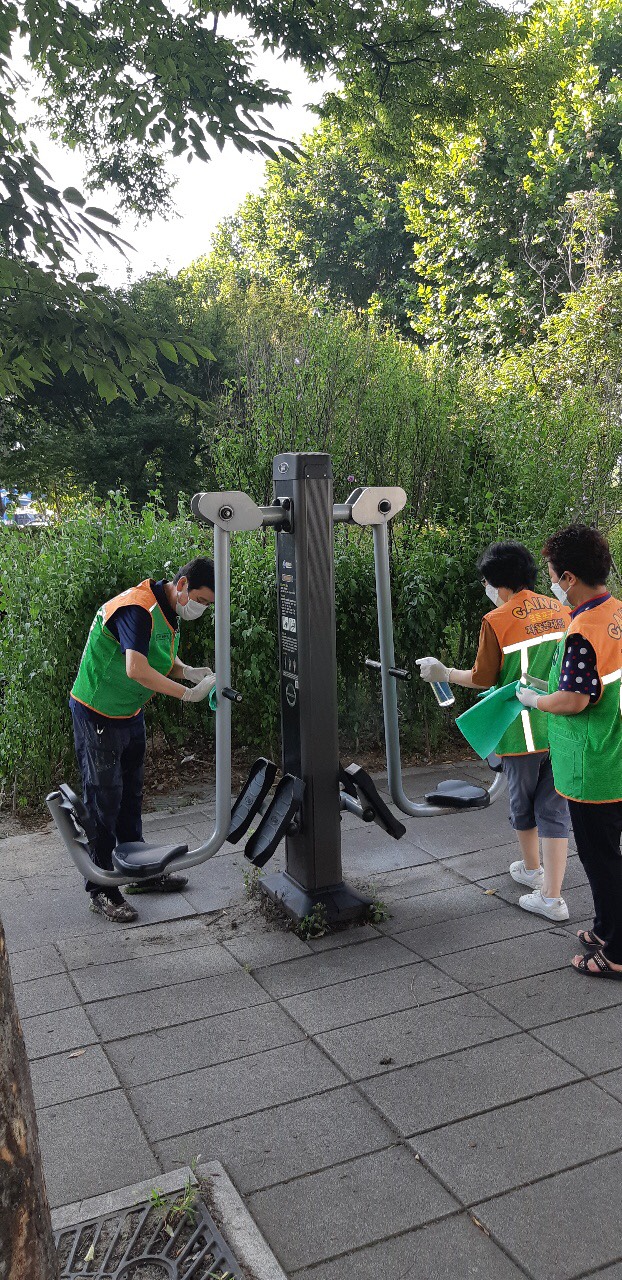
251	878
315	924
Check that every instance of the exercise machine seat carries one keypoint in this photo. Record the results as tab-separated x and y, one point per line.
145	860
456	794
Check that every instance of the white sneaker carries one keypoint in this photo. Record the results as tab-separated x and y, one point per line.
519	872
555	910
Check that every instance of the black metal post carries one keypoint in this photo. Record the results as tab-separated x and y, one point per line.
308	680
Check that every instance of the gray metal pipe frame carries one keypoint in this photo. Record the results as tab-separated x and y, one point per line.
222	628
352	806
389	691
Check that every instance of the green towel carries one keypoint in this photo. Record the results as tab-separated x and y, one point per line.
485	723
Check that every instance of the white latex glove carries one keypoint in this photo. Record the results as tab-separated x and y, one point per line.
196	674
528	697
432	669
201	690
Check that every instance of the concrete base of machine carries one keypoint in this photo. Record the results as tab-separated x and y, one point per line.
342	903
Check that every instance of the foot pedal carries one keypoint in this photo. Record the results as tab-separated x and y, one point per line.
143	861
285	804
251	797
372	798
455	794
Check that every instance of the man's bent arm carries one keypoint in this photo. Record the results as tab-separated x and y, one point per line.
138	668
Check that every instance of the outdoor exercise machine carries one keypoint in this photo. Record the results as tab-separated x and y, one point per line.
306	804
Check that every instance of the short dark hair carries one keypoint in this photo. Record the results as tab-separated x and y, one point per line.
579	550
199	572
508	564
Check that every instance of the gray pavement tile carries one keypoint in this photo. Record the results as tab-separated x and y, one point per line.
35	854
347	1206
551	997
441	939
43	995
13	888
136	942
258	949
49	917
285	1141
90	1145
436	908
65	1029
39	962
413	1035
611	1081
592	1042
610	1273
231	1089
500	962
169	1006
348	937
454	1247
516	1144
164	969
369	997
447	837
161	1054
62	1076
464	1083
493	861
336	965
563	1226
362	857
392	886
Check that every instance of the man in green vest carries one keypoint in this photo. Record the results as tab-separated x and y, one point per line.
130	654
584	710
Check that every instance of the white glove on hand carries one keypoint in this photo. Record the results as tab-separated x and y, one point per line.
196	674
201	690
431	669
528	697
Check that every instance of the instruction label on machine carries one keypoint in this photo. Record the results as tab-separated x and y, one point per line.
288	648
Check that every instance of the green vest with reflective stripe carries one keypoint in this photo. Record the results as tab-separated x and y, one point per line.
528	627
102	682
529	733
586	749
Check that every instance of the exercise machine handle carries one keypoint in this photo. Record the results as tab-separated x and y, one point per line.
400	673
231	694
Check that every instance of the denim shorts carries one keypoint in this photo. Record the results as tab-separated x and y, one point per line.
534	802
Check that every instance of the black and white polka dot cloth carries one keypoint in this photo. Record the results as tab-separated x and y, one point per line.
579	673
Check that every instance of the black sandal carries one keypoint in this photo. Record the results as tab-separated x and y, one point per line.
603	970
588	939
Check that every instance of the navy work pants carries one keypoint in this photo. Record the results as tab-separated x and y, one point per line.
597	830
111	756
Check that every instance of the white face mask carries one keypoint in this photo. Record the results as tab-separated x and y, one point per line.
191	610
560	594
492	593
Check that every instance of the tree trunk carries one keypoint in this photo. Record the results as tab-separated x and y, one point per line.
27	1249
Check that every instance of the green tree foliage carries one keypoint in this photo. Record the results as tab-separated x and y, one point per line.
331	222
520	210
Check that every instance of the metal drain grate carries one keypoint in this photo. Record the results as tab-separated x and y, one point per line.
137	1244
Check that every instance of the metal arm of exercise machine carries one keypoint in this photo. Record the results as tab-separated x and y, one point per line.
390	674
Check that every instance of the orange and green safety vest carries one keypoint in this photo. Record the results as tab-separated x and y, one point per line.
586	749
528	628
102	682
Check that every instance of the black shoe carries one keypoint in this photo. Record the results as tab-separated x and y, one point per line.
113	907
158	884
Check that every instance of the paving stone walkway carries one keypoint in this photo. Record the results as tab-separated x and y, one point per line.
438	1095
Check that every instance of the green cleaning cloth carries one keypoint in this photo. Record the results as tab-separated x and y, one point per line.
213	700
485	723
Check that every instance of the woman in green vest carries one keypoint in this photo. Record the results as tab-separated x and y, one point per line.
585	731
130	654
519	636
